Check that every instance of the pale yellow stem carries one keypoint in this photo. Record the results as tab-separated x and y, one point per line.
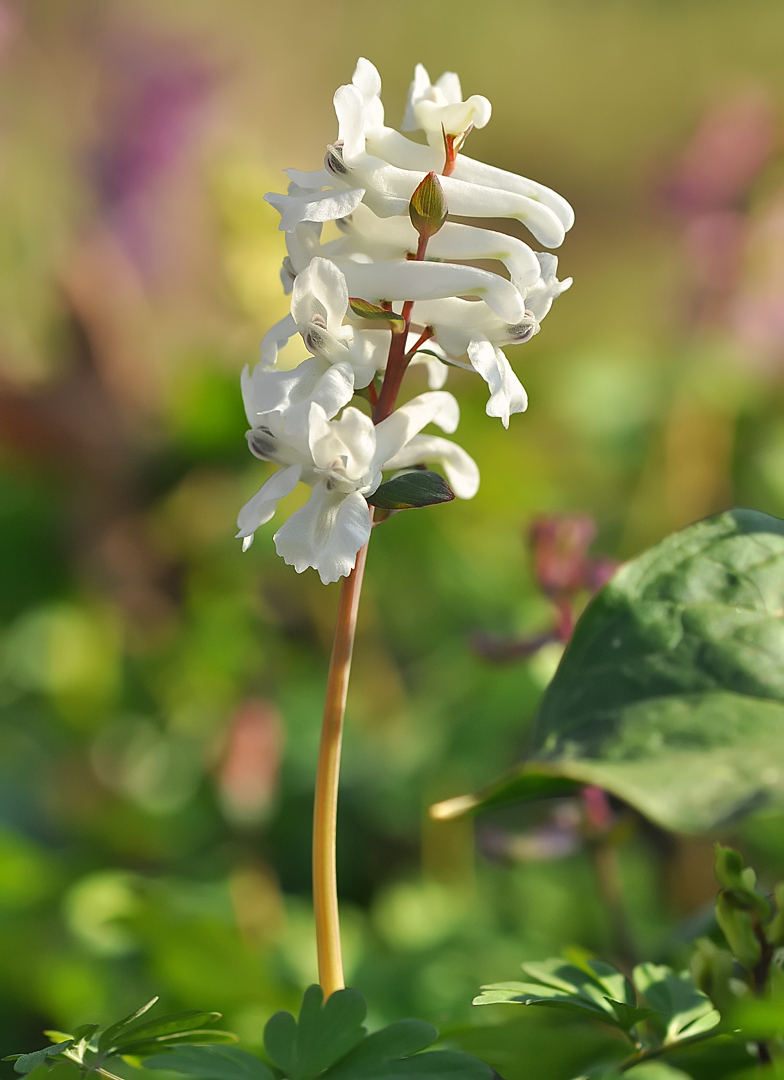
325	810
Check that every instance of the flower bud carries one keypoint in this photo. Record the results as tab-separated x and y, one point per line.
428	208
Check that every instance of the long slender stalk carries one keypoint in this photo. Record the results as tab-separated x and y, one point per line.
325	810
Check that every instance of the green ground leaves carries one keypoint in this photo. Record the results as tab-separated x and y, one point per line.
329	1040
675	670
669	1002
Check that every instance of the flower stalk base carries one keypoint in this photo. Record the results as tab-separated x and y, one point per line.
325	810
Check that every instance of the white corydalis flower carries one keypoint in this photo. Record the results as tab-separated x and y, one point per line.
439	110
303	420
342	460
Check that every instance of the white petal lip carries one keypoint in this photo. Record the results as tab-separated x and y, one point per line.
291	392
460	468
326	533
395	280
319	206
258	510
506	391
453	118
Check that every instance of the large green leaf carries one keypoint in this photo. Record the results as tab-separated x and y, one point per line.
671	693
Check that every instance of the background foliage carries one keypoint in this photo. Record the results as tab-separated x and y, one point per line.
160	694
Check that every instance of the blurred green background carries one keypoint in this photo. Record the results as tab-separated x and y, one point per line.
160	694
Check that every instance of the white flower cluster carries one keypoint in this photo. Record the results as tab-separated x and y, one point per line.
366	186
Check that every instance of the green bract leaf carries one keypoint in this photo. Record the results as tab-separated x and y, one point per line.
365	310
417	487
108	1038
25	1063
212	1063
173	1023
676	669
428	208
684	1010
321	1036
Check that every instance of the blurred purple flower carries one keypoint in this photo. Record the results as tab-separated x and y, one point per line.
155	103
729	150
564	572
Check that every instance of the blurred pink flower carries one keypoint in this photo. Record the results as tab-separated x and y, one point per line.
248	774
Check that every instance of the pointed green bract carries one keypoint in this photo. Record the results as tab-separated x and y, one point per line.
417	487
365	310
676	669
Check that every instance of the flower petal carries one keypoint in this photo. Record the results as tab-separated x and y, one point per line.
435	407
276	337
399	280
477	172
326	533
258	510
460	468
506	391
291	392
349	109
351	440
318	206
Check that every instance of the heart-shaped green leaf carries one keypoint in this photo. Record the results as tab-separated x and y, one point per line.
323	1034
398	1040
675	670
416	487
